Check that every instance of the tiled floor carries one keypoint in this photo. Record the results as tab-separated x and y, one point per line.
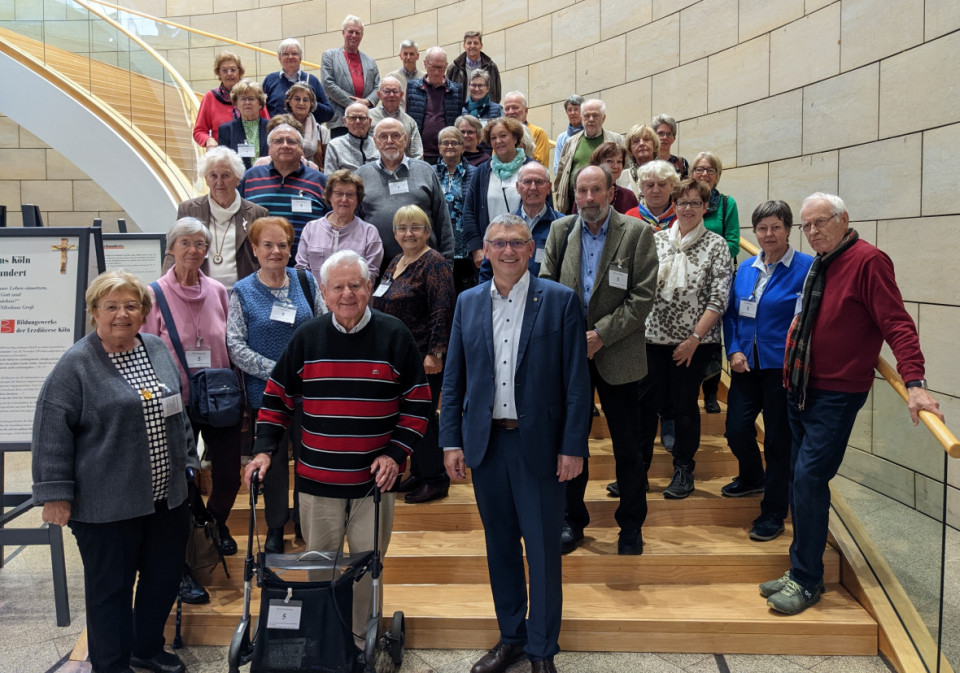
30	641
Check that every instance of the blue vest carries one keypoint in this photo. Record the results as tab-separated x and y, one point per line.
268	337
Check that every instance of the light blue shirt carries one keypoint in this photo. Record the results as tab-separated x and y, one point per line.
591	249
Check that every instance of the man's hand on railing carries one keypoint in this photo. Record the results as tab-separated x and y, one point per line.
921	400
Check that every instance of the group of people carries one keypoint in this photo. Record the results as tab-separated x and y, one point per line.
369	245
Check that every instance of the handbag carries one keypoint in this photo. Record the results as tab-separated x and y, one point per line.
216	396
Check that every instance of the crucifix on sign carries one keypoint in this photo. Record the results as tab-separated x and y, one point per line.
62	248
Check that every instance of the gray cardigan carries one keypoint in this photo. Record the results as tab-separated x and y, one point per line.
90	437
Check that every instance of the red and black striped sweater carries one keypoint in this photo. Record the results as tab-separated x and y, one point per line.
364	395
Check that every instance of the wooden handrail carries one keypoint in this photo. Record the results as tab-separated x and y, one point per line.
936	427
203	33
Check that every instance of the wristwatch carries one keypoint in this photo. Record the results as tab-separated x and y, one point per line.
916	383
438	355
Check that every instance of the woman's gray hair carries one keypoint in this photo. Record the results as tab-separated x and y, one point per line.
289	42
344	257
658	169
664	118
470	119
836	203
221	155
186	226
450	131
479	72
575	99
777	209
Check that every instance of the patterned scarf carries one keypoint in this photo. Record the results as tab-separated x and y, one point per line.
665	221
503	170
674	272
222	94
796	361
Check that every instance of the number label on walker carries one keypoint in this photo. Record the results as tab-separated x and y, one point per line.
284	615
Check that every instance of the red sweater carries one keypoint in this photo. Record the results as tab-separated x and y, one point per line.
862	307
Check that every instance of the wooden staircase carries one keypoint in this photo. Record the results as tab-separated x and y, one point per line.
694	589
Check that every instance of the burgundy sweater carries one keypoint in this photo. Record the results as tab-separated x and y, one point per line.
862	307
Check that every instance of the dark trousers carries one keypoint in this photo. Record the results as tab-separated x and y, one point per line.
676	388
223	450
516	504
276	483
465	274
619	404
820	435
753	392
427	459
113	555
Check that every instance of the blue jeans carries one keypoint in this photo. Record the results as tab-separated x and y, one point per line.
820	435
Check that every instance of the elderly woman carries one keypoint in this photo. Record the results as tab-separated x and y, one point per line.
571	107
642	144
246	136
492	189
613	156
417	288
111	446
300	102
472	130
198	305
340	228
683	329
277	84
217	108
265	310
454	174
763	302
657	179
227	216
666	128
478	102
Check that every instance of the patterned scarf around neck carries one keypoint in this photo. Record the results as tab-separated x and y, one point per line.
796	362
223	95
503	170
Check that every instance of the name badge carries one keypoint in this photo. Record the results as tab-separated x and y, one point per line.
382	288
172	404
400	187
284	614
748	309
618	279
246	150
539	255
198	359
283	312
799	305
301	206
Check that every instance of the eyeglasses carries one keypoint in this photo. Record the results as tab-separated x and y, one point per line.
665	134
689	204
478	85
186	245
704	170
450	143
409	228
395	137
513	243
248	99
300	99
469	132
817	224
113	307
357	118
284	141
343	195
533	182
229	71
389	92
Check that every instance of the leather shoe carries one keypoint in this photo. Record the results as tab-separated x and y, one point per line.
274	543
228	546
191	592
161	662
409	484
710	404
630	542
498	659
425	493
543	666
570	538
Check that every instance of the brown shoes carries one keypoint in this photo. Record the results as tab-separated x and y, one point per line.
499	659
425	493
544	666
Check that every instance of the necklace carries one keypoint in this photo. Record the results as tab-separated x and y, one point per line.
217	257
286	279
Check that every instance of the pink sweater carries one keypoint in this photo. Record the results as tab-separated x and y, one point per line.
197	310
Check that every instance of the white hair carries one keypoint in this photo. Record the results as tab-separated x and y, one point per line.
186	226
836	203
289	42
603	106
221	155
351	18
341	258
517	93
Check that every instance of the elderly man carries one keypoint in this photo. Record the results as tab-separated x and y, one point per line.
610	261
577	150
396	180
348	75
516	352
471	59
286	187
365	402
391	105
409	55
515	106
533	185
276	84
354	148
434	102
571	107
850	305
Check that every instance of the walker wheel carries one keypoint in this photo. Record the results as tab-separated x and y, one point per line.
397	638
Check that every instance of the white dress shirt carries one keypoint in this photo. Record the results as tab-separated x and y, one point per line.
507	323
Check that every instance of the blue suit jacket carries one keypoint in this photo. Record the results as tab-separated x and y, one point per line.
552	382
231	135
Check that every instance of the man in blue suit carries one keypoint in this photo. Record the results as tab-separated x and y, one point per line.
515	397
